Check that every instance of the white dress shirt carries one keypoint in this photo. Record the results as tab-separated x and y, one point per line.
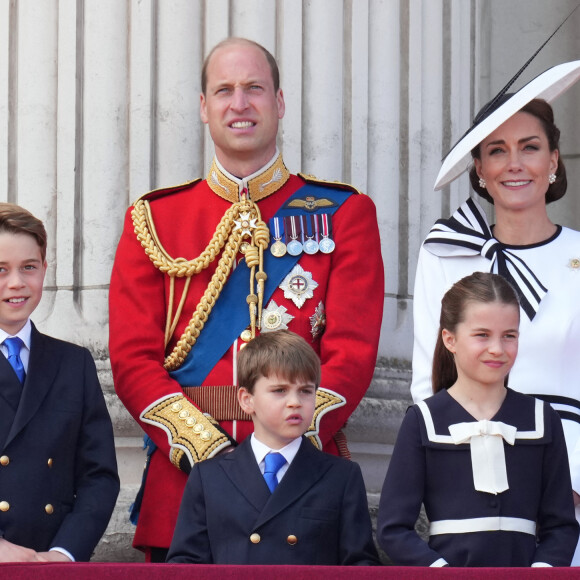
289	452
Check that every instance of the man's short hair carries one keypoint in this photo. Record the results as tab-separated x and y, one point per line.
282	353
237	40
16	220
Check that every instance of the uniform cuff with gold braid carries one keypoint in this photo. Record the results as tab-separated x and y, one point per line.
326	400
192	435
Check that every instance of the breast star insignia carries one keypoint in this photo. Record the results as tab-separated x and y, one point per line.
318	321
298	286
275	317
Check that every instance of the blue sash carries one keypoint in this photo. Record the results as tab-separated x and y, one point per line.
225	323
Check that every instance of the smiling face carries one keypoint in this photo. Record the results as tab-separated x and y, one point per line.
241	108
22	271
515	162
485	344
281	411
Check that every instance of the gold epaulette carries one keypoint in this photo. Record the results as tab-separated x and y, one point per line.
189	431
162	191
337	184
326	400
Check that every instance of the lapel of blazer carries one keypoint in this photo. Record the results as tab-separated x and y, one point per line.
42	368
306	469
10	387
10	393
241	468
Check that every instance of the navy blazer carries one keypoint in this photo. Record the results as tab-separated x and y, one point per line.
58	472
318	514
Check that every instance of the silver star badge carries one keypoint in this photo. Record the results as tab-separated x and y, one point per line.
245	223
275	317
298	286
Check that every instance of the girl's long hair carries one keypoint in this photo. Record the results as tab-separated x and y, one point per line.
479	287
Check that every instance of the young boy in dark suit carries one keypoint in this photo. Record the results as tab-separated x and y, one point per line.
275	499
58	472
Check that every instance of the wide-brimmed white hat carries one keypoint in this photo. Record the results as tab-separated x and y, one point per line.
548	85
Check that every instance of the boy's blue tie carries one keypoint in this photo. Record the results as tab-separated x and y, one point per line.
273	462
14	345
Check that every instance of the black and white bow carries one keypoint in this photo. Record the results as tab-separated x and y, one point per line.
467	233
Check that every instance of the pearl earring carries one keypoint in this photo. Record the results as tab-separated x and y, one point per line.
552	178
482	183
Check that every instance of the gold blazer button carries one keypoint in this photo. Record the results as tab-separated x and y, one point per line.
48	508
292	539
4	460
49	462
4	506
254	538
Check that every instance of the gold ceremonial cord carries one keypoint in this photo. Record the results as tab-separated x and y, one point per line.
228	237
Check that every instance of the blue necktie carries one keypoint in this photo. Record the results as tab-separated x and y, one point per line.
273	462
14	345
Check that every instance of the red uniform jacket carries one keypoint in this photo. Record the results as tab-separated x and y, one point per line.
350	286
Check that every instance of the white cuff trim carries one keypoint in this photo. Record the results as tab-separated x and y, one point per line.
439	563
64	552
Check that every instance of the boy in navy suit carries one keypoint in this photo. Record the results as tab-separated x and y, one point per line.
275	499
58	472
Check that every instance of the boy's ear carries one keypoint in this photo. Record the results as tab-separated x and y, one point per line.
246	400
448	340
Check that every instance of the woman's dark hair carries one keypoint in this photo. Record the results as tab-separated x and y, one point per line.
544	113
479	287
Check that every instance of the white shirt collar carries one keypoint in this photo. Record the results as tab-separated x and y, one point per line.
289	451
24	334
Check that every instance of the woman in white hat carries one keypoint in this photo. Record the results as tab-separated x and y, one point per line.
514	158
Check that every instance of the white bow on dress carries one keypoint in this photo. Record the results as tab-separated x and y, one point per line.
487	452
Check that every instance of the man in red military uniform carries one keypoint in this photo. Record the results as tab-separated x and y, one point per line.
203	267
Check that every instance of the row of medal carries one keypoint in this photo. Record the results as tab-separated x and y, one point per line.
301	233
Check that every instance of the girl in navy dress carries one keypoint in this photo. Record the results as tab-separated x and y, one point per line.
488	463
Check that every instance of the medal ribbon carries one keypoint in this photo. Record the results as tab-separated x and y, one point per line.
275	224
326	226
309	229
296	231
